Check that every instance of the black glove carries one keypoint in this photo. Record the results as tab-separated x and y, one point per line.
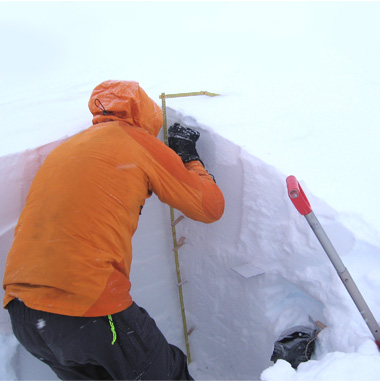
182	140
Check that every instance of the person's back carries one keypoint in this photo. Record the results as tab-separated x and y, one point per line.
72	249
75	230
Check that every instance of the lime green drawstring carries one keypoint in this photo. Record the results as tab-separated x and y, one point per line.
113	330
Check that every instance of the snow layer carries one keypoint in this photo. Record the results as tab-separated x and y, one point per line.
236	319
300	90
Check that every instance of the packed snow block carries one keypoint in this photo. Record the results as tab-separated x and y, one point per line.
237	318
239	314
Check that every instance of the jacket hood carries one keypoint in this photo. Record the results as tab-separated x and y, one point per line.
125	101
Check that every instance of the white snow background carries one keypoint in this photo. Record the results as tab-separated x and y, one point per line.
300	91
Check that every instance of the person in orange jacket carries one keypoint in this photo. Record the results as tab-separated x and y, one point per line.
67	275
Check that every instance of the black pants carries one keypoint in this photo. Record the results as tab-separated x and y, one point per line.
81	348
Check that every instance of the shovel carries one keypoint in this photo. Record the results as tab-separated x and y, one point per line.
300	201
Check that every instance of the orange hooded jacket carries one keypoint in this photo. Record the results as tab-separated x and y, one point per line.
72	251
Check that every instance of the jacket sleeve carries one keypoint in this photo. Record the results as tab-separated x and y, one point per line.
186	187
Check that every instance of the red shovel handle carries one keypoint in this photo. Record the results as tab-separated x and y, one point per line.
297	196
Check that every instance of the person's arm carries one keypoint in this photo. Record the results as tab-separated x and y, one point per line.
185	186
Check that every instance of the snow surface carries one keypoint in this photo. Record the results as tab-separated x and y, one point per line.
300	87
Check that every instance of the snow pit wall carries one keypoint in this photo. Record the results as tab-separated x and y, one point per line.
236	318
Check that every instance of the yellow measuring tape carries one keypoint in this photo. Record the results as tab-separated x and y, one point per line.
178	244
163	96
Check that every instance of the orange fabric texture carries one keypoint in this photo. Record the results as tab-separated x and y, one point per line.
72	251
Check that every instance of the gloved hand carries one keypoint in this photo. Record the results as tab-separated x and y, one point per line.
182	140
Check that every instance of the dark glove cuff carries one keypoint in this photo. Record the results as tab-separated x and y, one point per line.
188	158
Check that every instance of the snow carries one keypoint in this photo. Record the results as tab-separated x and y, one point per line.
41	323
300	86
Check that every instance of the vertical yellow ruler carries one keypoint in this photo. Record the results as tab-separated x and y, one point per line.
178	243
